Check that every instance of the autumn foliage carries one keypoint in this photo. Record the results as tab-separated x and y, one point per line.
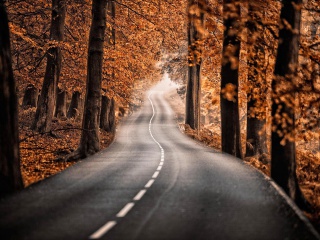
233	50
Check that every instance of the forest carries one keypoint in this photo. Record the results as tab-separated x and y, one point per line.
248	73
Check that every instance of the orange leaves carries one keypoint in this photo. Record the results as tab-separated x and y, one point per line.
229	92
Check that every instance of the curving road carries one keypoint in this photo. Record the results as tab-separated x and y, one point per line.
154	183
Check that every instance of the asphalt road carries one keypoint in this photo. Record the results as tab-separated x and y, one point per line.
153	182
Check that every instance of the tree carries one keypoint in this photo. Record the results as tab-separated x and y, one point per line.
196	17
31	95
10	174
47	100
256	121
283	149
74	107
230	125
90	143
61	104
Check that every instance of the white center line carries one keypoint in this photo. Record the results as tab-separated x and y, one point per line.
155	175
139	195
103	230
125	210
149	184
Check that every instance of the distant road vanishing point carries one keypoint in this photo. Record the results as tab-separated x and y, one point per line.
154	183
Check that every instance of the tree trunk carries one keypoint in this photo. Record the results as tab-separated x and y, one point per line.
256	115
112	117
230	125
90	143
111	34
46	104
194	61
61	105
10	174
74	107
283	154
107	116
30	98
104	115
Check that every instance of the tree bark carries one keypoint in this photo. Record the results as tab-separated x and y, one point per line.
112	117
193	91
111	34
107	116
283	154
73	110
90	142
61	104
256	115
104	115
10	174
230	125
46	104
30	98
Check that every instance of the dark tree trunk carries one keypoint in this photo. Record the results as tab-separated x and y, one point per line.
30	98
111	34
193	91
74	107
46	104
90	143
10	174
283	154
256	120
112	117
61	105
230	124
104	115
107	116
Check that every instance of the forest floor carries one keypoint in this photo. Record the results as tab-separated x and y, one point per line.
39	152
308	162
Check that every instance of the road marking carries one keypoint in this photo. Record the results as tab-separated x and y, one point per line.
103	230
155	175
139	195
125	210
149	184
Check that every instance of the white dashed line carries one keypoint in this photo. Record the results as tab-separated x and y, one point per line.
149	184
155	175
139	195
103	230
125	210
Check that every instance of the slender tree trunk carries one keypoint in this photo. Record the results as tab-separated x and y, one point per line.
104	115
111	9
256	120
112	117
46	105
230	125
283	154
73	110
61	105
10	174
90	142
193	92
30	98
106	103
